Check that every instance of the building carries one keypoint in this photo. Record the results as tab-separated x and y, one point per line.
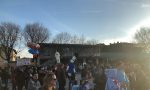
90	53
47	51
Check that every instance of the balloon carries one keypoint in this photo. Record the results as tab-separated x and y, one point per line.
32	51
29	44
37	46
35	55
33	45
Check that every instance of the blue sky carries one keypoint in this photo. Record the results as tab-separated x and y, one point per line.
104	20
98	19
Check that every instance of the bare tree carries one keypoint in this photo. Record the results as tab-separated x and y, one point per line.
92	42
62	38
142	37
9	34
66	38
82	39
36	33
75	39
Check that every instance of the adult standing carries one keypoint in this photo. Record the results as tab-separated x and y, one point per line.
61	77
4	77
13	78
20	78
49	82
34	83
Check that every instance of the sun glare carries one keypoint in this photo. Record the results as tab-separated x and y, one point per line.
25	53
143	23
130	32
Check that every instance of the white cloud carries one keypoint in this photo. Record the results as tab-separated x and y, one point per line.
133	30
25	53
130	32
145	5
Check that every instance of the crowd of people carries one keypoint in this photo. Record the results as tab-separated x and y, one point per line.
124	76
94	76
